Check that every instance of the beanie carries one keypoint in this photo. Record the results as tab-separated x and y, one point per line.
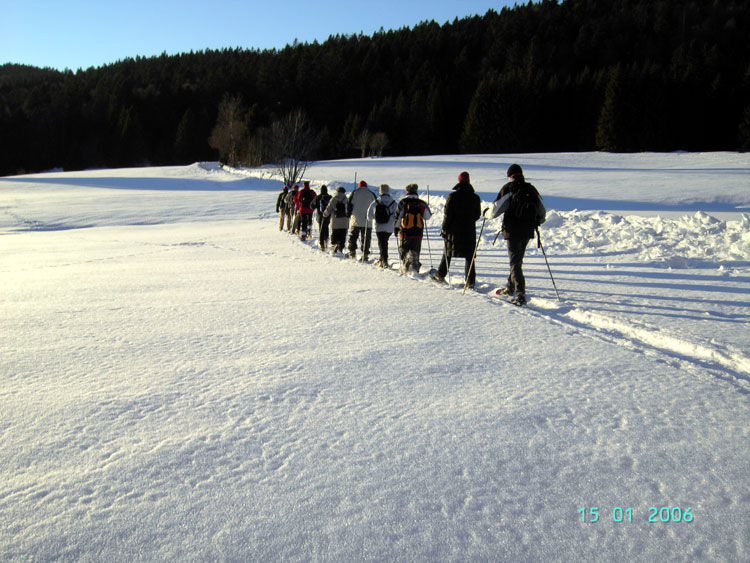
362	184
514	170
341	190
463	178
324	189
411	189
385	189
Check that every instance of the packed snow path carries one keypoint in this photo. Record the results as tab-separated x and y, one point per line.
180	381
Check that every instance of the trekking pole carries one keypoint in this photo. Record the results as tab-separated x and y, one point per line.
474	257
539	244
427	231
364	232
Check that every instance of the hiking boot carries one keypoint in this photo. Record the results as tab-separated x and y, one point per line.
505	291
438	278
519	299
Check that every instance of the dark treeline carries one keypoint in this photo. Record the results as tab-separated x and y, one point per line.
578	75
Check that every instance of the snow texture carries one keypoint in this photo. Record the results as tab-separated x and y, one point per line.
180	381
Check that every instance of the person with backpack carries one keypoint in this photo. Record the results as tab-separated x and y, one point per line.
523	211
337	212
384	210
291	209
411	215
319	204
463	208
360	209
281	206
306	197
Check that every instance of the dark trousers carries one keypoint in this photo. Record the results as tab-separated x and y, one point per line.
470	273
383	246
338	239
516	251
355	235
305	224
323	227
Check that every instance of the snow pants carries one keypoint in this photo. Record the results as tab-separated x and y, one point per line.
516	251
338	239
323	226
470	272
383	246
356	234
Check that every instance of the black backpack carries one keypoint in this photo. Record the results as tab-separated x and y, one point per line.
340	209
382	213
524	204
323	201
306	198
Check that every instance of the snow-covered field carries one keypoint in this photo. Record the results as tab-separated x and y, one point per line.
180	381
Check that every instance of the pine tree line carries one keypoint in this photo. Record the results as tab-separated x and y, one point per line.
618	75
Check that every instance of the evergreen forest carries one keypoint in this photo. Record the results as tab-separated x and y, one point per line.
547	76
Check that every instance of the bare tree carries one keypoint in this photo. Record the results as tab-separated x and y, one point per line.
293	146
378	142
362	141
229	130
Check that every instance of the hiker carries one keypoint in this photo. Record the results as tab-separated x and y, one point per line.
337	212
306	197
523	211
360	208
463	208
319	204
385	207
281	206
291	209
411	214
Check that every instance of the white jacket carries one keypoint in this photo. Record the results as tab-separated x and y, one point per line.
363	212
391	204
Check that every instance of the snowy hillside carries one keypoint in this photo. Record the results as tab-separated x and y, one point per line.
180	381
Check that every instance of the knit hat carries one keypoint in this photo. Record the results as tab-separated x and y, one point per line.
324	189
362	184
463	177
296	187
513	170
286	188
385	189
341	190
411	189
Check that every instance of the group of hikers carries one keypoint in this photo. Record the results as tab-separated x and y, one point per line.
338	214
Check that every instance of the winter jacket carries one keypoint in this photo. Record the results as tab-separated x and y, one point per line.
291	198
363	211
337	222
320	203
304	200
391	204
281	200
462	210
512	227
415	231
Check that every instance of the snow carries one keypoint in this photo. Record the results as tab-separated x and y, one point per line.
183	382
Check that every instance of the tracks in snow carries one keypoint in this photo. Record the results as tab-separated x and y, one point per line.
720	361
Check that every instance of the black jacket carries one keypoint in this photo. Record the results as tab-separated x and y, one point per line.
462	210
512	227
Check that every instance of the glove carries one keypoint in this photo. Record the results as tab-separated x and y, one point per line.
396	230
443	233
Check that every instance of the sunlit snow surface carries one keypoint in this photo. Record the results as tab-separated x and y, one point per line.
181	381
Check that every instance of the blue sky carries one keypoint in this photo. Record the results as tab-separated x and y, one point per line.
83	33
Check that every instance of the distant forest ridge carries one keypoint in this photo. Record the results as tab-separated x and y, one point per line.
578	75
